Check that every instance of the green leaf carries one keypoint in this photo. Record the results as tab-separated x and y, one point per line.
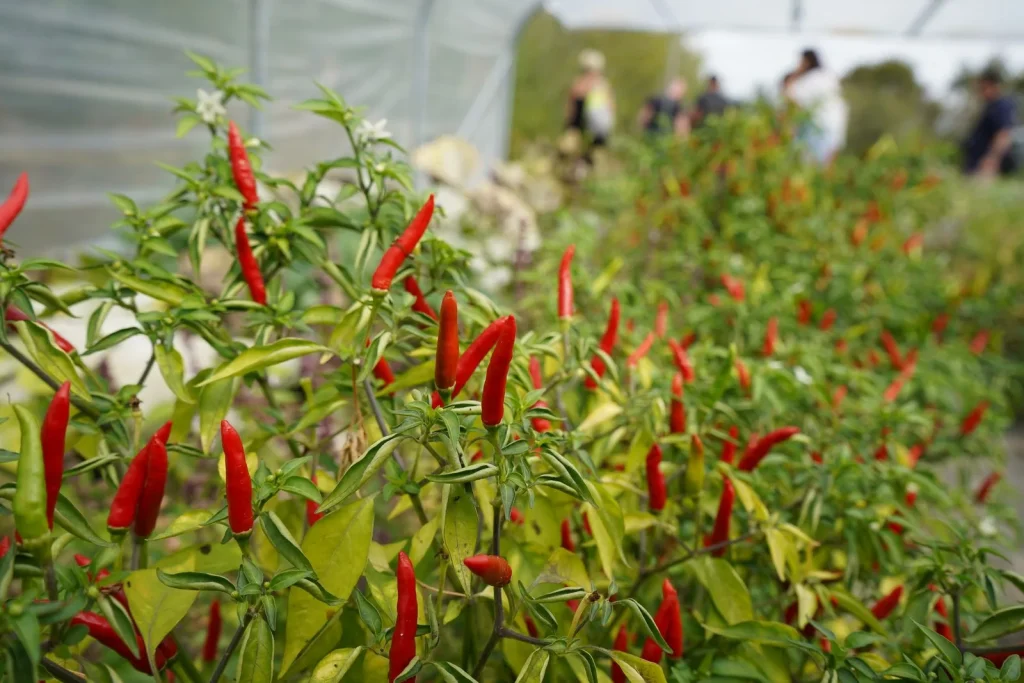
415	376
196	581
318	591
288	578
473	472
361	470
857	609
112	339
157	608
173	370
333	667
769	632
187	522
256	653
562	595
947	649
1011	669
119	618
647	620
161	290
369	615
453	674
26	627
259	357
337	546
727	590
41	347
999	623
535	668
301	486
67	516
214	402
283	542
459	527
638	670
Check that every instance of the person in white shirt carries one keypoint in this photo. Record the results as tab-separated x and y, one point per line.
819	92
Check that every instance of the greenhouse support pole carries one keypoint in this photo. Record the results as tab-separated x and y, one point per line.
921	20
675	47
259	43
420	79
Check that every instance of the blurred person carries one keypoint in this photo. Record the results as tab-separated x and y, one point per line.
664	113
817	90
987	151
711	102
590	108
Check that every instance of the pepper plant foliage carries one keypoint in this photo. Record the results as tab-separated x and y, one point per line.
772	513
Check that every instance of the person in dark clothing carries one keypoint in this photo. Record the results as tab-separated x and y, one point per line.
710	103
664	113
987	149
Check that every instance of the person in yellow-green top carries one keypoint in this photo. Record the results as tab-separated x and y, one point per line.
590	109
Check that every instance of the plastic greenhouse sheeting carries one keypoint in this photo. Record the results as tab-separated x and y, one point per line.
85	86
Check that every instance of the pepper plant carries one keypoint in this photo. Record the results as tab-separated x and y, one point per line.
543	489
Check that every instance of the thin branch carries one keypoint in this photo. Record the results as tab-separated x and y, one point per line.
499	607
60	673
956	620
665	566
146	370
83	406
232	646
522	637
997	650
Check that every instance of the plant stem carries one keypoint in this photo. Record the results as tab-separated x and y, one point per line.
272	402
522	637
60	673
139	555
83	406
184	666
956	620
665	566
235	640
146	370
499	608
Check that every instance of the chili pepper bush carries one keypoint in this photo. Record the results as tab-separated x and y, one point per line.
685	452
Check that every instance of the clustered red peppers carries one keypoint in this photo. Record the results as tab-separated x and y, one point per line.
137	501
670	623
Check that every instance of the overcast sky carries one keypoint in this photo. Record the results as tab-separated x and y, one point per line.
745	61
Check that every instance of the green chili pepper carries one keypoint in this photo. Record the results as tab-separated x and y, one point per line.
30	497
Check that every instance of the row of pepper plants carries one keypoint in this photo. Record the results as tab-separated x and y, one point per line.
701	440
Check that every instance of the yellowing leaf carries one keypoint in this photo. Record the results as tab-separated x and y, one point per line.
156	608
807	604
459	531
40	346
750	501
778	546
564	567
337	546
335	665
727	590
259	357
535	668
638	521
601	414
422	540
415	376
172	368
214	401
161	290
638	670
189	521
256	653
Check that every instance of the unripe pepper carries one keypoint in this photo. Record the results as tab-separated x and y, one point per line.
403	639
729	446
12	206
892	349
249	266
657	494
888	603
401	248
492	404
239	483
828	319
447	356
743	374
682	360
539	423
983	492
567	537
471	358
979	342
720	532
13	315
621	645
213	627
694	480
661	320
607	344
677	414
771	336
101	630
52	437
494	570
29	502
640	351
565	303
152	489
420	304
973	418
126	500
241	168
759	449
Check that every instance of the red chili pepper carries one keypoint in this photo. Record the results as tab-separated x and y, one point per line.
943	627
939	326
729	446
607	344
567	537
720	532
894	388
979	342
239	483
910	362
660	321
420	304
492	404
804	311
312	516
494	570
403	640
841	346
640	351
744	375
13	315
756	453
152	494
402	247
973	418
677	416
539	423
656	491
241	169
838	396
915	453
126	500
998	658
586	525
891	348
54	430
213	627
621	645
531	627
982	494
816	458
682	360
687	341
734	286
882	452
565	284
249	266
12	206
101	630
473	355
887	604
5	545
669	623
447	357
516	517
828	319
771	336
